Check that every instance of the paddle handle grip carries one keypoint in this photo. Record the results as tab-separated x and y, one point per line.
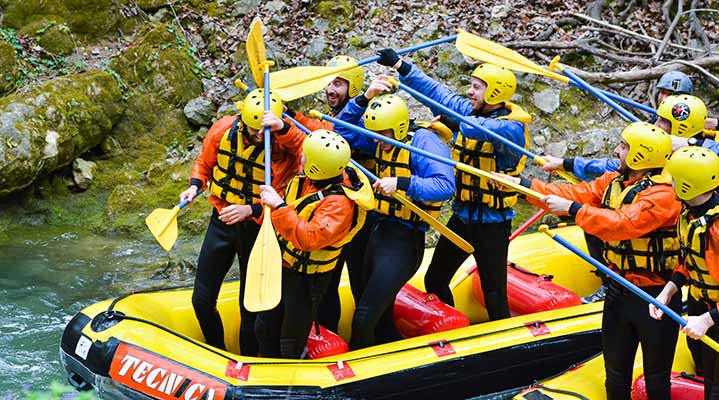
622	281
185	202
412	48
564	174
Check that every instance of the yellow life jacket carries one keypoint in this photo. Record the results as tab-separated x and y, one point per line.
657	251
395	163
240	170
692	234
324	260
480	154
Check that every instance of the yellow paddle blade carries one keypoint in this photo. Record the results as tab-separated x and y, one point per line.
263	286
256	54
293	83
433	222
519	188
163	225
491	52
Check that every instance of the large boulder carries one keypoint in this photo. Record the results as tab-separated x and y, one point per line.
159	62
96	17
47	126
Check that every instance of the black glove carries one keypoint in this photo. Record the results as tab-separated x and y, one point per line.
387	57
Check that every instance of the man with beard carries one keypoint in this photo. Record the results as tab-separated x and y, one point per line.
231	166
634	212
482	210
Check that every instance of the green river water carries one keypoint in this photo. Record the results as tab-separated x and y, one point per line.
49	274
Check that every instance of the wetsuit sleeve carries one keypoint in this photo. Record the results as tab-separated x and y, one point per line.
654	208
313	124
292	139
419	81
352	113
330	222
712	252
202	169
431	180
588	169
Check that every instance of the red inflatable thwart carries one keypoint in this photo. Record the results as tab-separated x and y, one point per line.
326	344
683	387
417	313
529	293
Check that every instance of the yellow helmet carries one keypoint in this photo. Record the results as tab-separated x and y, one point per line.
388	111
687	114
501	82
354	76
695	171
254	107
649	146
326	154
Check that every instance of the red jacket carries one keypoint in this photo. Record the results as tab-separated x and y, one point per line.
286	156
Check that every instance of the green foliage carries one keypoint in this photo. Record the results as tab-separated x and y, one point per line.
59	391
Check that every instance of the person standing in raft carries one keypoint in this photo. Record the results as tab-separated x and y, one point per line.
482	210
695	174
634	212
322	211
396	241
347	85
231	165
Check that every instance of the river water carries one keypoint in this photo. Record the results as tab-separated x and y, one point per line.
47	274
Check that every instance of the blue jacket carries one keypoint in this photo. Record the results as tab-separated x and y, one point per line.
506	157
431	180
588	169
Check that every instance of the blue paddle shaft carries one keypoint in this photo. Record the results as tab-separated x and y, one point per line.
366	132
620	99
621	280
357	165
426	100
577	81
412	48
268	145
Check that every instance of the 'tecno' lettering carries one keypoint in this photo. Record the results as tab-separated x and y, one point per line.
162	380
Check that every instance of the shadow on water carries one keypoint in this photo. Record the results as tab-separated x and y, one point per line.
47	275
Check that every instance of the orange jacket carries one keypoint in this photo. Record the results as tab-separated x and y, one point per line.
330	222
654	208
313	124
286	157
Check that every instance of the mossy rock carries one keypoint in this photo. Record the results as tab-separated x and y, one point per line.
337	13
57	40
151	5
160	63
8	67
46	126
89	18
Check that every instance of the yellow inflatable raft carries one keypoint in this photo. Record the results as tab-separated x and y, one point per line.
149	345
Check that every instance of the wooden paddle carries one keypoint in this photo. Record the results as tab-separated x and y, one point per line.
263	284
163	223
